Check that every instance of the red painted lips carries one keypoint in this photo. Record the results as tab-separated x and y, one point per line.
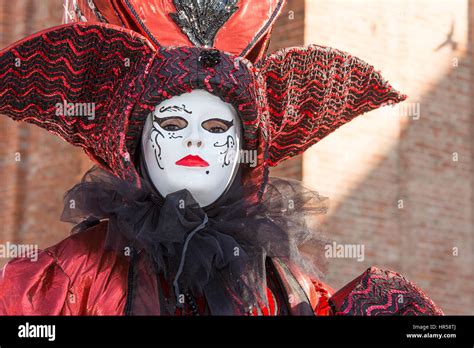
192	161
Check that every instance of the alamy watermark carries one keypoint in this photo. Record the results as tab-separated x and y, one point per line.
10	250
410	110
243	156
344	251
28	330
76	109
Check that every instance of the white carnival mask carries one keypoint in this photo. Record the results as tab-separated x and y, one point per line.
192	141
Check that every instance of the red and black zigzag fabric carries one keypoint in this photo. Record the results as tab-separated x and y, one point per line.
314	90
93	68
382	292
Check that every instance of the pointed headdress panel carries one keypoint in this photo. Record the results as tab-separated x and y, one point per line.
312	91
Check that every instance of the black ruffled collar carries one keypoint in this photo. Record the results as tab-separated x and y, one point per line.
219	252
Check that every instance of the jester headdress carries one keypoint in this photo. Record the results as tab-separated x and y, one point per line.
287	101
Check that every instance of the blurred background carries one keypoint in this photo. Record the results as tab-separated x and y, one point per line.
400	179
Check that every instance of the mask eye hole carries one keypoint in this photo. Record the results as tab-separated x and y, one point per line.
171	124
217	125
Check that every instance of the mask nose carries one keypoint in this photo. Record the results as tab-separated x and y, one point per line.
193	142
194	139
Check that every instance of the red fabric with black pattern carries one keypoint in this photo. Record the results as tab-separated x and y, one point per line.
382	292
314	90
78	64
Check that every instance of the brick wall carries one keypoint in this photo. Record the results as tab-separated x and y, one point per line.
372	163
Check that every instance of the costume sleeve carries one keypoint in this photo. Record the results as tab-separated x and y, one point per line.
382	292
33	287
323	293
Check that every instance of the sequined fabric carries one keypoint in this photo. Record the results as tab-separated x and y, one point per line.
201	20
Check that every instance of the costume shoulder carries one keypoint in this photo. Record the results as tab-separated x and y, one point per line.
382	292
33	286
64	278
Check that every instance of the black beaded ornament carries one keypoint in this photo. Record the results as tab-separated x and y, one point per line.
210	58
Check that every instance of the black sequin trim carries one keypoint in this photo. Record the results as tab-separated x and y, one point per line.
201	20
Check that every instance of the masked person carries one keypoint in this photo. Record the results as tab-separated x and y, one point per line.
181	217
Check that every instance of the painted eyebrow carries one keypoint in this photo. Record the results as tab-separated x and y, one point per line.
162	119
174	108
227	123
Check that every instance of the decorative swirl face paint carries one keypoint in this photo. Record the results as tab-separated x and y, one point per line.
192	141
